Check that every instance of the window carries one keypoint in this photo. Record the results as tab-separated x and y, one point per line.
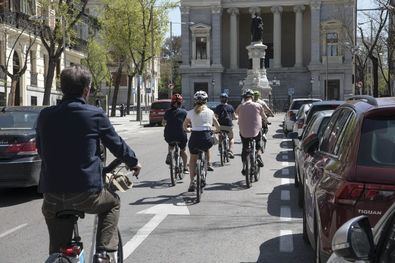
201	48
33	101
33	61
332	42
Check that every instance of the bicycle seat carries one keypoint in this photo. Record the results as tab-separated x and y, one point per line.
70	213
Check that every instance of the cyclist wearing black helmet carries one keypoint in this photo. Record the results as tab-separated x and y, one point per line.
199	121
225	113
174	132
250	115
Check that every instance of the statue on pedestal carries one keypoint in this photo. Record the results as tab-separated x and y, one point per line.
257	28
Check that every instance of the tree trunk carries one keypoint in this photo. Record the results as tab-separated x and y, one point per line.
130	79
138	109
48	81
11	95
116	89
375	68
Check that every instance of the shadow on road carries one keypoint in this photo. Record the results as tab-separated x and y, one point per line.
16	196
270	253
281	174
279	136
164	183
286	145
274	202
161	199
237	186
285	156
280	131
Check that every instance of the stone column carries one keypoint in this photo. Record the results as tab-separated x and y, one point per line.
185	40
216	23
315	31
277	10
299	35
234	38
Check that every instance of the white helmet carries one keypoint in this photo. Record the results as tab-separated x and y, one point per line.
200	96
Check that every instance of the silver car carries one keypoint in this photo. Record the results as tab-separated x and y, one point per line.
290	116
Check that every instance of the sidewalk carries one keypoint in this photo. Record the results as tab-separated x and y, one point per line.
128	122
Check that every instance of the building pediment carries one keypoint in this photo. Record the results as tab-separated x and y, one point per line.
200	28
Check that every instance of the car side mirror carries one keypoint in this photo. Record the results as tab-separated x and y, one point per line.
292	135
310	143
353	241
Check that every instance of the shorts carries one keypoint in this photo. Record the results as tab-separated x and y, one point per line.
200	140
244	141
182	142
228	129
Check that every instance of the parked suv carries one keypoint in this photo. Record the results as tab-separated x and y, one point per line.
350	170
157	111
290	116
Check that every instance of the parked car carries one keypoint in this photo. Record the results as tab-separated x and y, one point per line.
300	121
349	171
321	106
317	125
19	161
157	111
290	116
355	241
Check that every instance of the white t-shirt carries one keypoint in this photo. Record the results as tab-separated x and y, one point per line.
202	121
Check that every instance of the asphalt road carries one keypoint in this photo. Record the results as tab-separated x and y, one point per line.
160	223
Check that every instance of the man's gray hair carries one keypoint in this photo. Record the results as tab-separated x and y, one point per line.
73	80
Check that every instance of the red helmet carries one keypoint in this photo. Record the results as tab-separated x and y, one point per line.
176	98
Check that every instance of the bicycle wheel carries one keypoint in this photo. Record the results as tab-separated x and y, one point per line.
257	172
198	180
226	147
221	151
172	170
117	256
248	170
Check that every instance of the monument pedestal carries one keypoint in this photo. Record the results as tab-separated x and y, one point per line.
256	77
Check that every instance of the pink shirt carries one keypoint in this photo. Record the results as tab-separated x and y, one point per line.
250	118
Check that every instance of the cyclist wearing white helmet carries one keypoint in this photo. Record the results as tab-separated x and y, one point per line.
199	121
250	115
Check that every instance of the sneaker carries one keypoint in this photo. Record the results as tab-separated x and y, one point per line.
259	161
101	257
210	168
203	183
192	188
186	171
231	155
168	158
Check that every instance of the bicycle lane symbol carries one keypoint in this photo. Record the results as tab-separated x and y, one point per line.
160	212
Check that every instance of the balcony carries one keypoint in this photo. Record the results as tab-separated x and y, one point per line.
19	20
33	79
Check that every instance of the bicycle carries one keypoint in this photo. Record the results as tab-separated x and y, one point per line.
74	252
264	131
250	164
201	174
176	163
223	147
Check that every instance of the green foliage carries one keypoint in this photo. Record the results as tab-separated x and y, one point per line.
96	61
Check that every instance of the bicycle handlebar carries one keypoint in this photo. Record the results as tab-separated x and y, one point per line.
111	167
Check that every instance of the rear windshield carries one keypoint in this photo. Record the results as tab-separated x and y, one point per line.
315	109
298	103
377	145
18	120
160	106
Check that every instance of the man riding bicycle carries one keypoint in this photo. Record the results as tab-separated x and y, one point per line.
225	113
68	142
250	115
268	111
199	121
174	131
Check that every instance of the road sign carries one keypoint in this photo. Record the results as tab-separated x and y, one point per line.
291	91
170	86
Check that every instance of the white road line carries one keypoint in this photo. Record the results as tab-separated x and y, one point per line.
285	213
285	157
12	230
142	234
285	181
285	164
285	171
285	195
286	241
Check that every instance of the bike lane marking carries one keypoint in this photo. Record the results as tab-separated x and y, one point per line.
161	211
12	230
286	241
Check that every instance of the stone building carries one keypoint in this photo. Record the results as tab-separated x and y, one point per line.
16	17
308	46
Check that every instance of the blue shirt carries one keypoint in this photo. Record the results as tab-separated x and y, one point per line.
174	118
68	137
225	114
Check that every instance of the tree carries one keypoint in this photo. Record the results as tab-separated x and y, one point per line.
64	14
171	55
96	61
133	30
16	75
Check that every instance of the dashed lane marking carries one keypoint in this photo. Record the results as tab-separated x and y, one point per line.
285	181
285	213
285	195
286	241
12	230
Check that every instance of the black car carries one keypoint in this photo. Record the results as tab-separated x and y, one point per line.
19	161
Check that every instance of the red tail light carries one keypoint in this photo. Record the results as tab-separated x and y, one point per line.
374	191
26	148
349	193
